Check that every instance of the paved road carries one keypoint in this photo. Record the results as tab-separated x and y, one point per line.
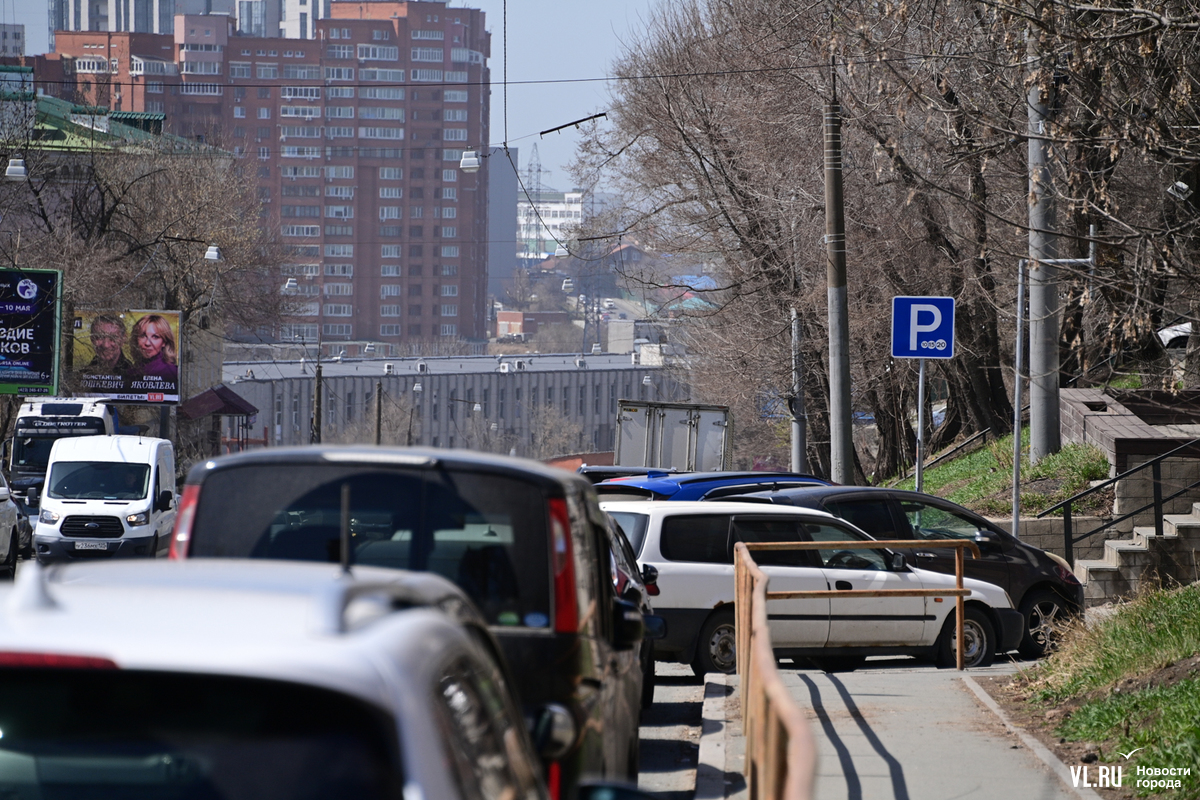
670	734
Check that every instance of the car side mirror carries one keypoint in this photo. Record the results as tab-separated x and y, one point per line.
31	497
164	501
898	562
987	539
656	626
628	625
650	579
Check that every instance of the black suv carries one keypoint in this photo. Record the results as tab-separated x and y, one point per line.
1040	584
527	543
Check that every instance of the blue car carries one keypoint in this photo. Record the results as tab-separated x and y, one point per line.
661	485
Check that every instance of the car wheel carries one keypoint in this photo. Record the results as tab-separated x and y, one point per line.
9	568
1044	613
838	663
154	547
648	678
716	649
979	649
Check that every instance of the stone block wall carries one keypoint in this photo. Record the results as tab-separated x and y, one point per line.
1047	534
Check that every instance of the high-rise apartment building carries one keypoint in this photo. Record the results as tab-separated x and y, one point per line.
292	19
12	40
355	138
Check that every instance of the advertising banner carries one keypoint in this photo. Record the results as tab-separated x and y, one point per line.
131	356
29	331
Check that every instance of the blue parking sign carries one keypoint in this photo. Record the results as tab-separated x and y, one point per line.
922	327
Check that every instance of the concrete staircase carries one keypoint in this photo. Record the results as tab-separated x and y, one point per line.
1146	559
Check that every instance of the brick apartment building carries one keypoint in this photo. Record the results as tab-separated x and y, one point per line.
355	137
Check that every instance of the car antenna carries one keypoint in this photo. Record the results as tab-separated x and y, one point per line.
345	528
31	593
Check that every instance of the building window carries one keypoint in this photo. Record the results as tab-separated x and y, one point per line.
339	172
264	113
339	191
375	52
340	92
340	51
391	192
454	114
301	230
389	330
339	212
414	311
449	330
446	193
390	271
343	270
389	311
391	173
455	134
449	311
455	96
449	269
449	251
390	212
339	250
582	400
339	310
339	289
450	175
428	54
339	73
391	290
449	291
337	330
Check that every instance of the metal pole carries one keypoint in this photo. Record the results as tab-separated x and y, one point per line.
1044	437
920	424
1016	480
378	413
315	434
841	444
799	432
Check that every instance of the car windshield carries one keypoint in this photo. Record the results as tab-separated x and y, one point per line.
633	526
486	532
95	734
32	452
98	480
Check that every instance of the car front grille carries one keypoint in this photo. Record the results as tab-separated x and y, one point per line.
94	527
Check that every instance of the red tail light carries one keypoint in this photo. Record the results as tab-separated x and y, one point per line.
566	597
1066	575
55	660
554	780
652	589
181	539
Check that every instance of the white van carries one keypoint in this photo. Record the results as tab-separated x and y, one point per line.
106	496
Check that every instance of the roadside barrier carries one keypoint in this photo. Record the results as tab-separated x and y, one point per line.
781	754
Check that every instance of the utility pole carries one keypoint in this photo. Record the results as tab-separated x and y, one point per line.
315	436
1043	269
378	413
841	442
799	433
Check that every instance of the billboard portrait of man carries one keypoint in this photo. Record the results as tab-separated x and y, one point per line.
108	336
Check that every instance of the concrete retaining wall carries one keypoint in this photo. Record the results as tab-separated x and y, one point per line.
1047	534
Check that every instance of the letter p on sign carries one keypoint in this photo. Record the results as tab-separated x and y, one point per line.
922	327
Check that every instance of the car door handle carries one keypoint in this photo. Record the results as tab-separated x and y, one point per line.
923	555
842	586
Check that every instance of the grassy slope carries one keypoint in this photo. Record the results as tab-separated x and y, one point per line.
982	480
1117	678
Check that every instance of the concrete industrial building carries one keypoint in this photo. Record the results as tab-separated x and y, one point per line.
12	40
355	139
436	398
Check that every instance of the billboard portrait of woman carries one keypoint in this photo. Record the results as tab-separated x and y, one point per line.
152	346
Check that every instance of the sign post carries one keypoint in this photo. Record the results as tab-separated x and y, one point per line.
922	327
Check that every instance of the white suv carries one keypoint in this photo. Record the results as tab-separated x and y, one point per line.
690	544
251	681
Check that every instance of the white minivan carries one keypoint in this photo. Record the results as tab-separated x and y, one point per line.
106	496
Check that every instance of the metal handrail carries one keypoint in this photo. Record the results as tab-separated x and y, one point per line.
1155	465
946	454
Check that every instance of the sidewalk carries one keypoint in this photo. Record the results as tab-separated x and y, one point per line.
895	729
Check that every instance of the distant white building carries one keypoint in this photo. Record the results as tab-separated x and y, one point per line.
544	219
294	19
12	40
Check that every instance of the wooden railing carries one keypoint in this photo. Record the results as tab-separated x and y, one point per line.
781	754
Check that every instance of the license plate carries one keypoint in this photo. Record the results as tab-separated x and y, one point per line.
91	545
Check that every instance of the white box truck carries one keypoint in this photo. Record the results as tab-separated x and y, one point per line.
690	437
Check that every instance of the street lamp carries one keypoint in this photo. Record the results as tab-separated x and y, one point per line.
470	161
16	170
213	253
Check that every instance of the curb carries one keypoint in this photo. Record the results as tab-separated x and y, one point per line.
1040	750
710	761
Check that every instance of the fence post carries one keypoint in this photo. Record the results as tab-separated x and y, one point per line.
1068	537
1156	472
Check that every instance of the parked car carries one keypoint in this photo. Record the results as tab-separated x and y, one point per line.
526	542
105	497
690	544
664	485
596	473
637	585
264	681
1041	584
13	531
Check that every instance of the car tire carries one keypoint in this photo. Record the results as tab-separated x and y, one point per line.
716	647
648	679
838	663
980	647
8	569
1044	611
154	547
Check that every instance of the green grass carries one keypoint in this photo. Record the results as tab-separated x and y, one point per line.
1157	630
982	480
1126	382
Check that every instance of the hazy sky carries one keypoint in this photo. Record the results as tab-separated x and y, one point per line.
548	40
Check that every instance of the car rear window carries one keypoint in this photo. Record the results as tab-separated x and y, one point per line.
485	532
699	538
633	525
150	735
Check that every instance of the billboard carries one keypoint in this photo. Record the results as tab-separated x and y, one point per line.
29	331
131	356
